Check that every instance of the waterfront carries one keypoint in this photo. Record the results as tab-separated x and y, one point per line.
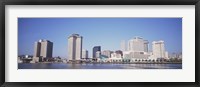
96	66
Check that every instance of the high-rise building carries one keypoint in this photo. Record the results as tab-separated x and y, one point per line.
123	45
46	48
43	48
106	53
95	49
158	49
146	44
166	54
84	54
37	48
74	47
138	45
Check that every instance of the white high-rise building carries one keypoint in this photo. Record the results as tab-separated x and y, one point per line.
123	45
74	47
46	48
158	49
84	54
138	45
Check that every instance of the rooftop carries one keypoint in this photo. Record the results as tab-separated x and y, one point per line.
74	35
160	41
43	40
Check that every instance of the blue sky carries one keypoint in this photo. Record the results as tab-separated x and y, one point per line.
105	32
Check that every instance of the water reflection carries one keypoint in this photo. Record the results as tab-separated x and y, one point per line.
96	66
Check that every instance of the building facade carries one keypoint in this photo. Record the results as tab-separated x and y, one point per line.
158	49
137	55
84	54
46	49
98	54
119	52
116	55
74	47
106	53
138	44
166	54
37	48
95	49
43	48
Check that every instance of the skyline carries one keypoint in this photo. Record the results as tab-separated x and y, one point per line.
105	32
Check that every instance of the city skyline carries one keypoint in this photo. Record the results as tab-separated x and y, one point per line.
108	36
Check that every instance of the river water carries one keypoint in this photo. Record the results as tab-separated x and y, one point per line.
96	66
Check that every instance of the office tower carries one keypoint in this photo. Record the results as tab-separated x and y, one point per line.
43	48
138	45
146	44
95	49
106	53
75	47
37	48
46	48
123	45
158	49
166	54
84	54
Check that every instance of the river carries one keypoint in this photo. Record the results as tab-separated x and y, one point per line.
96	66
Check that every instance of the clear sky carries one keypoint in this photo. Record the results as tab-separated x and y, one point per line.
105	32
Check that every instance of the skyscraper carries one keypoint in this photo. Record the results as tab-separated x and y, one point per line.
75	47
166	54
138	45
46	48
84	54
146	44
37	48
95	49
43	48
158	49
